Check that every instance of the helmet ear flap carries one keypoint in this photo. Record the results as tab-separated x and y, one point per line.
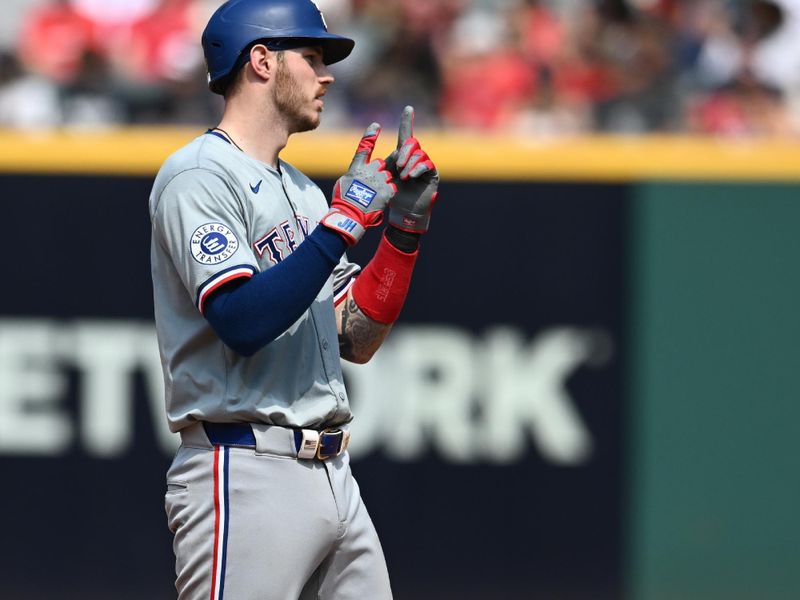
220	86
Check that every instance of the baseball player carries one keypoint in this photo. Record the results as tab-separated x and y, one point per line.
255	303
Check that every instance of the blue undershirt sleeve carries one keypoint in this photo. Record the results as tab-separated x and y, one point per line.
249	315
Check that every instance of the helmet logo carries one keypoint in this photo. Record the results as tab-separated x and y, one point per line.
324	23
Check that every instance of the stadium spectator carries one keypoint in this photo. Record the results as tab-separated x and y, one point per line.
160	68
27	101
745	108
747	75
487	80
53	40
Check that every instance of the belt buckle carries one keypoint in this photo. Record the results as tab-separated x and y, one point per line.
344	441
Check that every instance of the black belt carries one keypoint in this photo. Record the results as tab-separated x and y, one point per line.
308	443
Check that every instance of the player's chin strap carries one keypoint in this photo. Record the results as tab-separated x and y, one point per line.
380	290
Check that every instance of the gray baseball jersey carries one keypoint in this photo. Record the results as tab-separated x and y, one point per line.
253	517
217	215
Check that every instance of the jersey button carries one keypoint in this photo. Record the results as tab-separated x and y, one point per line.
324	344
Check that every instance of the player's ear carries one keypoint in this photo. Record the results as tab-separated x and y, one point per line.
263	61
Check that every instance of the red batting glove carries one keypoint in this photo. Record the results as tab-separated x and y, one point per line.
361	195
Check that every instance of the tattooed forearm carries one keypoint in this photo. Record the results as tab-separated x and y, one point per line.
359	336
345	345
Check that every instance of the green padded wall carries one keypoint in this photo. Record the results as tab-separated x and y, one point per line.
715	393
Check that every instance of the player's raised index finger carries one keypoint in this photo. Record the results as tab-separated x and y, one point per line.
406	129
366	145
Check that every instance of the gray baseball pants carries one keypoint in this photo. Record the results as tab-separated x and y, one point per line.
261	524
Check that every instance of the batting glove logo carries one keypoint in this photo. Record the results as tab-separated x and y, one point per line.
213	243
360	193
347	224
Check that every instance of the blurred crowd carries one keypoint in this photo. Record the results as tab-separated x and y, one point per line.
528	67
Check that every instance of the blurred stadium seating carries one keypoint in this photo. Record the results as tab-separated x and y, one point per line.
531	67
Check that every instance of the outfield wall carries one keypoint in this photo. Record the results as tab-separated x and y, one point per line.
589	394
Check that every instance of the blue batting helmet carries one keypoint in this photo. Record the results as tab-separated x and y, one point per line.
238	24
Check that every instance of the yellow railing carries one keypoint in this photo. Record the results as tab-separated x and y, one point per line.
460	156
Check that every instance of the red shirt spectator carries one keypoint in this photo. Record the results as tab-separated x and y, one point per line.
542	35
163	45
54	40
487	91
